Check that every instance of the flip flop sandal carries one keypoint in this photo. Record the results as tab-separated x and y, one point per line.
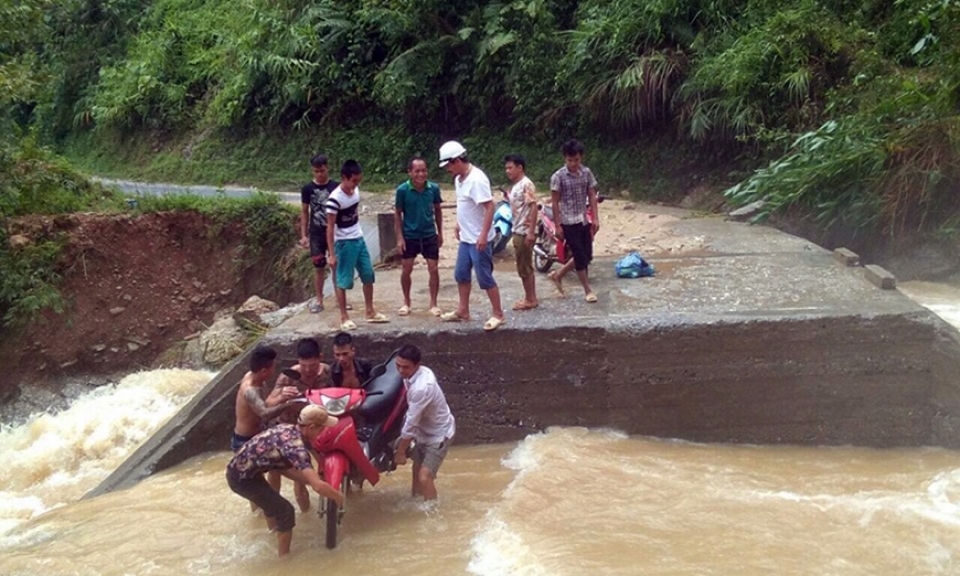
378	318
436	311
315	307
522	305
493	323
591	297
348	325
404	310
450	317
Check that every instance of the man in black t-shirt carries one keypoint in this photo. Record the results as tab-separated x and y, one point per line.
313	221
348	371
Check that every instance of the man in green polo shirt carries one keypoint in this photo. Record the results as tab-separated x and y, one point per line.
419	225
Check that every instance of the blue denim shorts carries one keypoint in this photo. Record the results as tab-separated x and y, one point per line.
469	258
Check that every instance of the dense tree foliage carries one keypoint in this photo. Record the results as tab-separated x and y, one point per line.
855	101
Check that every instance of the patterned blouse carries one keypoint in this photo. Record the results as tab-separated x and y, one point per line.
279	448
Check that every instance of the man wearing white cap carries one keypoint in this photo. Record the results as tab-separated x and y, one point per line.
282	448
474	231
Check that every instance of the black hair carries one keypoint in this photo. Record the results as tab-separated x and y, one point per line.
517	159
308	348
319	161
572	148
350	169
262	357
342	339
414	159
409	352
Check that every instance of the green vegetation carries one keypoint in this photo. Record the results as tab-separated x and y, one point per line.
852	105
38	183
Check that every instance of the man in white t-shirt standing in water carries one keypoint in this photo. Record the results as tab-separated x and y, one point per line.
347	249
474	231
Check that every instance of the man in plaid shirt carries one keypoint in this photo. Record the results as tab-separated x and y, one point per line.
572	189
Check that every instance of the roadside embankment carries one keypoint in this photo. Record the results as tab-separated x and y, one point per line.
134	286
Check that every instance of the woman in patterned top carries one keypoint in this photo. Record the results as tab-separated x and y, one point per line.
282	448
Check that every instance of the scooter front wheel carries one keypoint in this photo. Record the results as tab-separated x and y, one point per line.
335	513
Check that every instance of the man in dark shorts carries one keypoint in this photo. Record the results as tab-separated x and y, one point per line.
348	371
419	225
284	448
572	189
313	221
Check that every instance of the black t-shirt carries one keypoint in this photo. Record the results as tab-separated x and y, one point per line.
316	196
362	368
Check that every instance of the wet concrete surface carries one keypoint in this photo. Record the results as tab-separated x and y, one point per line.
749	335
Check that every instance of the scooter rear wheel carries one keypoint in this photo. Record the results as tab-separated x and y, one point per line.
540	262
334	514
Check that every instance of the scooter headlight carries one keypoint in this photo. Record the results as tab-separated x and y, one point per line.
334	406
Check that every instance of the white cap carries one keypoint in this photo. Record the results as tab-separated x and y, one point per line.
450	151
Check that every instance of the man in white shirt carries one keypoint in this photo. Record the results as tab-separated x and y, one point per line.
474	232
428	421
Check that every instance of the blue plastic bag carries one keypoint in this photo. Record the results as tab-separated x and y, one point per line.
633	266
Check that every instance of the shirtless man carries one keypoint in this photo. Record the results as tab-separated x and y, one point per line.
313	374
348	371
253	406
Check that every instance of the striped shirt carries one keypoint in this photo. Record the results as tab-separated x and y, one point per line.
344	206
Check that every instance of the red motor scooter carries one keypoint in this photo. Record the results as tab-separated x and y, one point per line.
546	249
361	445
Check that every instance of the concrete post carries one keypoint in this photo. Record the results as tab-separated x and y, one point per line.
388	236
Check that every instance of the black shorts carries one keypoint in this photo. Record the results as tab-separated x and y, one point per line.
318	249
579	242
266	498
426	246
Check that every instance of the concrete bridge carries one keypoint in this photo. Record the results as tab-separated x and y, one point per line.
760	337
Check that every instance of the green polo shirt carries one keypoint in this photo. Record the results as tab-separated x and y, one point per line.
418	209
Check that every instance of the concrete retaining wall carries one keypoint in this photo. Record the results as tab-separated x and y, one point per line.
882	381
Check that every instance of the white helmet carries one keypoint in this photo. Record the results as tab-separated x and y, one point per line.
451	151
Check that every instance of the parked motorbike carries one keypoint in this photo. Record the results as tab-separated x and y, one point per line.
361	445
546	249
502	224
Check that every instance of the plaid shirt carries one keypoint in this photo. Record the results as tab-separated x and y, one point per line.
573	190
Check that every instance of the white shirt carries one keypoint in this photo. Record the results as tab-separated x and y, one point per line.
346	209
472	191
428	417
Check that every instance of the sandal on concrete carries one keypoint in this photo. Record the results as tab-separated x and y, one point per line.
404	310
436	311
315	307
450	317
591	297
378	318
348	325
493	323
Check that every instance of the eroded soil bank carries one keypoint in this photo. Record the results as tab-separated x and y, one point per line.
135	286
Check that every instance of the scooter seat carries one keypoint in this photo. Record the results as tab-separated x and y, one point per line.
382	391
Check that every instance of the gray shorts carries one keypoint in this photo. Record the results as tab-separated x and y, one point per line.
430	456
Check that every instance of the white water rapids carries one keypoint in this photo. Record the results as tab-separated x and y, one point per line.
568	501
